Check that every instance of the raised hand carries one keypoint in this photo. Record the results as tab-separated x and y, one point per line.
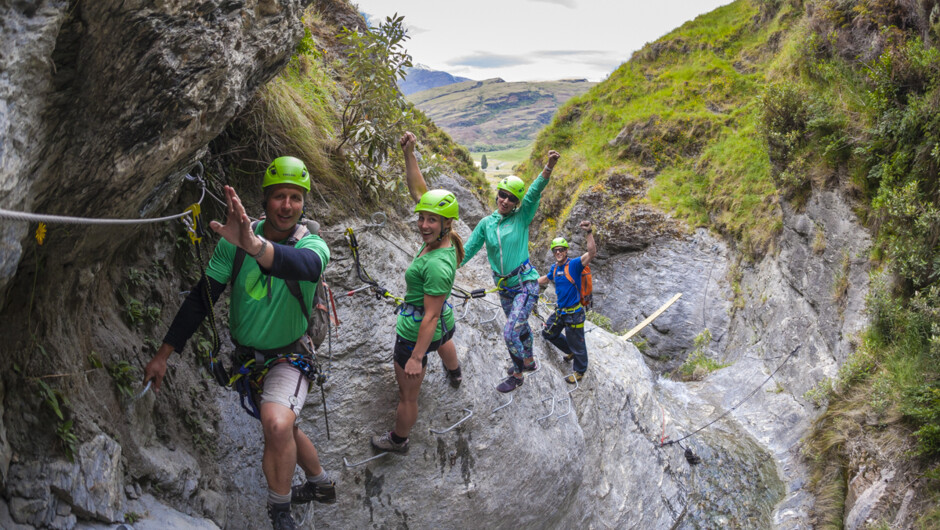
237	227
407	142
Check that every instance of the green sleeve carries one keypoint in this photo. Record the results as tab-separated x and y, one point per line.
475	243
220	264
530	203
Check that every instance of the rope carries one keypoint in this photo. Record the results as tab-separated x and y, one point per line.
729	411
364	277
65	219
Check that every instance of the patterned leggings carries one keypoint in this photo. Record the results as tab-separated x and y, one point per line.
517	304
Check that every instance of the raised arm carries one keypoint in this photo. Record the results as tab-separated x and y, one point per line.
591	246
413	177
553	157
530	202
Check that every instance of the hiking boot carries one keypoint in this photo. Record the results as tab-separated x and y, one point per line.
509	384
533	366
568	357
577	376
313	491
454	377
280	517
384	442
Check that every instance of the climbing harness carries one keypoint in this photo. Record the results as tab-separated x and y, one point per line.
248	378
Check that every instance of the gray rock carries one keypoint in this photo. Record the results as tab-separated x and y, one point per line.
631	286
120	97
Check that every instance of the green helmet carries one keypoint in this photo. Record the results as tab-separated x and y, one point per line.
559	242
440	202
287	170
512	184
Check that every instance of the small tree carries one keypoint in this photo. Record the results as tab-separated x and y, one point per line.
375	111
483	163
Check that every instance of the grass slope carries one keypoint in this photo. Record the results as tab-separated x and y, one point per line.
682	110
763	101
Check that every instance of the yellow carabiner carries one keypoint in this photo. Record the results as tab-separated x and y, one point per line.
191	225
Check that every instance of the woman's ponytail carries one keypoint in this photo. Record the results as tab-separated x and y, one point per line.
458	245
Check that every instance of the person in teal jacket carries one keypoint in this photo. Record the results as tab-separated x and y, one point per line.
506	235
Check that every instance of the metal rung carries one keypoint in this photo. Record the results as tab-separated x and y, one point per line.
357	464
503	406
577	385
467	417
302	514
551	411
466	310
495	314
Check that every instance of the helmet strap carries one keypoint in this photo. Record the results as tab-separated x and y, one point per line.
444	232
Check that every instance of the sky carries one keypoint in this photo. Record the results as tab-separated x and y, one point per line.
533	40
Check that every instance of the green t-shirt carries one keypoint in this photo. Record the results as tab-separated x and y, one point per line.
263	313
431	274
507	237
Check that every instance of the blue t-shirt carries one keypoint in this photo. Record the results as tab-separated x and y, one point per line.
569	294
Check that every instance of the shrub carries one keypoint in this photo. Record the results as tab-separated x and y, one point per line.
375	111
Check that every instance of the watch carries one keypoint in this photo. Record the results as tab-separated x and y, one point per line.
264	246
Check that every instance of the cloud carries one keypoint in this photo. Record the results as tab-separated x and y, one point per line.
566	3
415	30
570	53
488	60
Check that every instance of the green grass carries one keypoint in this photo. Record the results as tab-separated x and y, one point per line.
686	107
299	113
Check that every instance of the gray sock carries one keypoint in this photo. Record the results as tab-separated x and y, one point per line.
276	498
322	478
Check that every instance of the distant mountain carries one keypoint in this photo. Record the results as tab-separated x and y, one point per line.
493	114
421	77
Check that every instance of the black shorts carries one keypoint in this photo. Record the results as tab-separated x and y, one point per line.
404	348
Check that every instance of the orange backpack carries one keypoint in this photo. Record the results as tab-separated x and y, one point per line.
587	284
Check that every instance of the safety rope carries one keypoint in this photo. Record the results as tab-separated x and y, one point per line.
65	219
692	458
379	291
196	229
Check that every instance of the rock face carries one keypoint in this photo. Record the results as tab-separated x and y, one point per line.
103	105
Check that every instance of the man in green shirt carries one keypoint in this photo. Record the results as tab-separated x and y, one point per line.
267	321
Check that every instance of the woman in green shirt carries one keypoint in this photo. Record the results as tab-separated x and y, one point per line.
506	235
425	321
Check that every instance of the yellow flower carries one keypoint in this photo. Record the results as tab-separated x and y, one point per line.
41	233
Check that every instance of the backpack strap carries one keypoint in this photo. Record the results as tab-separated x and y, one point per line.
568	275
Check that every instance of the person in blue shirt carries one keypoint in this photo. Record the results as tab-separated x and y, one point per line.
569	314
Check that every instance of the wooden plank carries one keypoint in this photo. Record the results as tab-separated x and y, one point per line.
651	318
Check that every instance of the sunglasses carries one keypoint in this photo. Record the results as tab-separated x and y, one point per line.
559	250
507	196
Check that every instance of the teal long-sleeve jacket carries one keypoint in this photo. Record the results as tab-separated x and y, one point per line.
507	237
